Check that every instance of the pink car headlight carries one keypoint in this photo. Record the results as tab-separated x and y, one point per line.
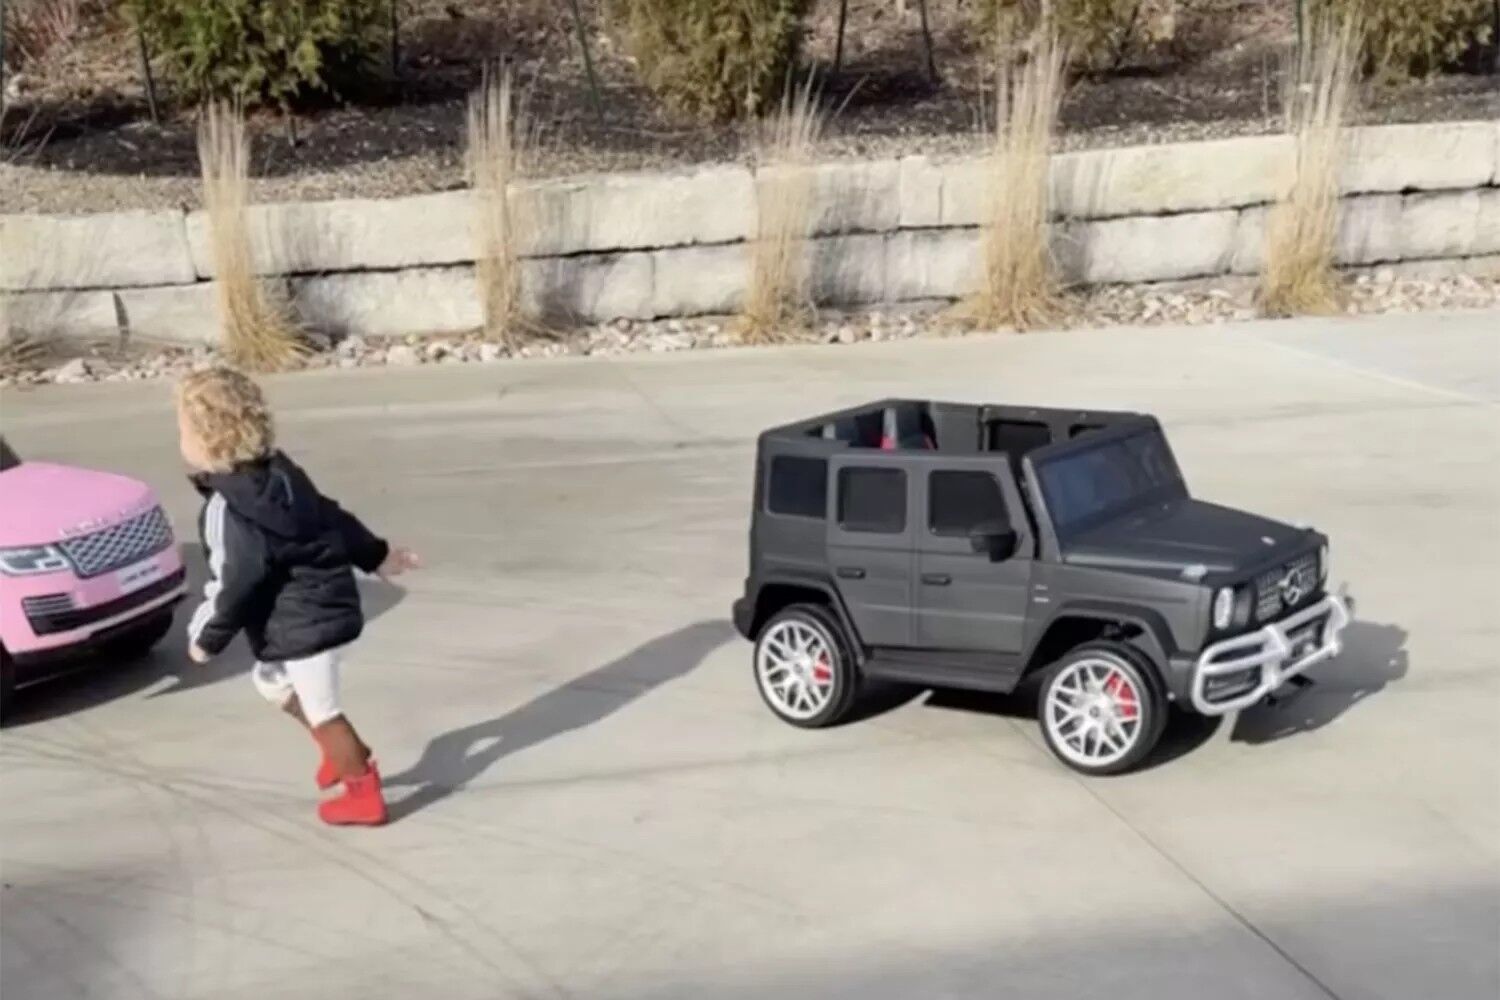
32	559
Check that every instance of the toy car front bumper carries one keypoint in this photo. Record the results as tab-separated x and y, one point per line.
1271	656
743	614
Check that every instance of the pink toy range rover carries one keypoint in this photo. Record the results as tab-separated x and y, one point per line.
88	566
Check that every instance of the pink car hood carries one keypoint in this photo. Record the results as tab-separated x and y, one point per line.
41	502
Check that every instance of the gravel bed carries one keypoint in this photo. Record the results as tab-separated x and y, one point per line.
1198	303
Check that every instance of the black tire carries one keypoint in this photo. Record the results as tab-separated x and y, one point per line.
842	675
1136	696
139	641
7	684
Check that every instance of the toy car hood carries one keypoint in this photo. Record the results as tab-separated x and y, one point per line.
1170	538
42	503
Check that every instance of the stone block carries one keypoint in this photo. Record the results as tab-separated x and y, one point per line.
920	193
68	314
847	270
1428	157
1440	225
1369	232
1487	223
1487	266
108	250
349	235
692	281
1147	248
856	197
589	287
185	314
1178	177
639	210
932	264
963	189
1370	229
1495	179
390	303
1249	252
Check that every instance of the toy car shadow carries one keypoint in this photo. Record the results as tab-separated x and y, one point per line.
1374	656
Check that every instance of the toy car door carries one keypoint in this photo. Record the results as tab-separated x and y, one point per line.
870	544
974	551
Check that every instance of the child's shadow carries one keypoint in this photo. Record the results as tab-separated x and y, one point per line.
454	759
98	680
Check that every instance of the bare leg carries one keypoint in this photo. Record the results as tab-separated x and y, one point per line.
294	708
343	747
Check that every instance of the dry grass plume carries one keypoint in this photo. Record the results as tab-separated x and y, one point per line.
500	138
19	351
34	29
1018	286
777	300
1302	229
258	333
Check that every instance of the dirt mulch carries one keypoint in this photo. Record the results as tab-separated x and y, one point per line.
79	139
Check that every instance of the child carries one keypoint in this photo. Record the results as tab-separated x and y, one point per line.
281	558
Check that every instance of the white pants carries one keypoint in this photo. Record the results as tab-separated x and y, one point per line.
314	681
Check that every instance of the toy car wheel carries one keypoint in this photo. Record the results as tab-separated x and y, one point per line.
7	683
803	667
1100	709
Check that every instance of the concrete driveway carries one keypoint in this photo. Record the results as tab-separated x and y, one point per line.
593	803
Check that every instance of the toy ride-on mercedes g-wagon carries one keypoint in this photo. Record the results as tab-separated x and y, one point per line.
967	546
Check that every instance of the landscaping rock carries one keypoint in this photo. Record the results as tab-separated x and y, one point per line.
75	371
1400	287
402	355
351	347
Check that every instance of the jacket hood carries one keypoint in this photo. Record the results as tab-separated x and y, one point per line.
273	493
1172	537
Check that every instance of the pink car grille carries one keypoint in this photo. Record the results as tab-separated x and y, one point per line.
120	545
47	604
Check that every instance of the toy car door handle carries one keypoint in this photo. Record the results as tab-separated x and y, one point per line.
851	573
936	579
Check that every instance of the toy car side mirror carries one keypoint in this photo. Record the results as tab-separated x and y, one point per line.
998	541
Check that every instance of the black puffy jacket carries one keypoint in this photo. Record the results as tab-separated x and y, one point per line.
281	558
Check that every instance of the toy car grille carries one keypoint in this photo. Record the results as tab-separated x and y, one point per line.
121	544
1286	587
47	604
68	619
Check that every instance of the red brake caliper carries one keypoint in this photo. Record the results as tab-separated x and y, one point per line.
1123	693
822	672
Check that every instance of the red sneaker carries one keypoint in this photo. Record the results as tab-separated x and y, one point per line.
362	803
327	776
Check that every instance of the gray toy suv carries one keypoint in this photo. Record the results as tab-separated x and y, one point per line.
965	546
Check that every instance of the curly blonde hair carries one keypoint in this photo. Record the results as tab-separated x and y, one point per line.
229	416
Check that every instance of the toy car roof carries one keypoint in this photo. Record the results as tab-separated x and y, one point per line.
900	423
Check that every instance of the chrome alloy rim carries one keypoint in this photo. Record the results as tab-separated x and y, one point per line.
1093	712
794	666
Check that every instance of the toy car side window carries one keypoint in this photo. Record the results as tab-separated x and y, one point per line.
959	501
798	487
872	500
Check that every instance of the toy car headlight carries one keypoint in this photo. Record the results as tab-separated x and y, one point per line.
32	559
1223	608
